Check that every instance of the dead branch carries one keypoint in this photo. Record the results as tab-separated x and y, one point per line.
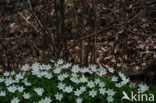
28	22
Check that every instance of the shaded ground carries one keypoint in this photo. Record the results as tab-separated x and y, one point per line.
129	44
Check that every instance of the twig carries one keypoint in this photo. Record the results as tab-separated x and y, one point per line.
38	21
41	26
28	22
140	13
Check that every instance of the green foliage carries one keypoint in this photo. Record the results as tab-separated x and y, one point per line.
49	79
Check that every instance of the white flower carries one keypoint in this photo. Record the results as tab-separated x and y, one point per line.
90	72
25	67
125	80
102	72
102	84
65	75
35	66
77	92
61	77
68	89
121	74
42	101
114	78
42	67
25	81
39	74
102	91
119	85
93	68
74	75
26	95
44	73
45	100
6	73
3	93
75	80
143	87
60	61
12	73
57	70
15	100
110	99
75	69
111	70
19	76
83	79
84	70
1	80
66	66
12	88
97	81
39	91
110	92
61	86
20	89
59	96
93	93
35	71
52	61
90	84
48	76
83	89
79	100
47	67
9	81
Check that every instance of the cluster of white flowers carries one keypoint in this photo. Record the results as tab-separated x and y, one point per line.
93	87
124	79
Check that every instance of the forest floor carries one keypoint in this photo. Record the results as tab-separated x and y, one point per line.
130	45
